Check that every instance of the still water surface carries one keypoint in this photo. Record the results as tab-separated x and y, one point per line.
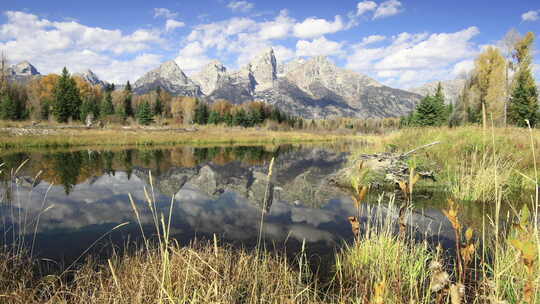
215	190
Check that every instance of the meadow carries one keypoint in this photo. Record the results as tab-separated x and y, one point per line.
495	260
15	137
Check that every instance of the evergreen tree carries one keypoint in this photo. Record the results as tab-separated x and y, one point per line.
524	99
228	119
214	118
85	109
158	105
443	110
62	95
144	114
128	107
107	107
428	112
201	114
406	121
8	110
44	110
275	115
257	116
239	118
74	98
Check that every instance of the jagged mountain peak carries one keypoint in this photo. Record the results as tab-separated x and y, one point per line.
214	65
24	68
89	76
290	65
310	87
168	76
211	77
263	69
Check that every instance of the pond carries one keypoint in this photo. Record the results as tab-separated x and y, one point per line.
66	202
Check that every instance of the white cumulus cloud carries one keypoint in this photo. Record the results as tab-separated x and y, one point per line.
530	16
51	45
318	47
387	8
364	7
372	39
172	24
165	13
240	6
192	57
278	28
411	59
314	27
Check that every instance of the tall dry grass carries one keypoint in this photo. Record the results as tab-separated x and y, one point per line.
498	264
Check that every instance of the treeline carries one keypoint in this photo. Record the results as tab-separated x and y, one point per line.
67	98
500	89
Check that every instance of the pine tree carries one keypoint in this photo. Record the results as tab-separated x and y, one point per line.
239	118
158	105
201	114
74	98
128	107
106	107
144	114
85	109
443	110
7	108
428	112
44	110
276	115
228	119
62	92
524	100
214	118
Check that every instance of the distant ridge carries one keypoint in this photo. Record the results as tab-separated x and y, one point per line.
312	88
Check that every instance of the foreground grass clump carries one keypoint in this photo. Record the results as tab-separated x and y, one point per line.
467	159
200	273
383	266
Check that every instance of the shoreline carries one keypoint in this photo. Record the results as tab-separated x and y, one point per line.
54	137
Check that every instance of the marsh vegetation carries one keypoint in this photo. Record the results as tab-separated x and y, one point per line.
485	194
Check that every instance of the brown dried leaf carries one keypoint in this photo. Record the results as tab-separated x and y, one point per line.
469	234
355	225
363	193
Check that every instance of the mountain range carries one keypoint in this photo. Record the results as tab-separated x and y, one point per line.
310	88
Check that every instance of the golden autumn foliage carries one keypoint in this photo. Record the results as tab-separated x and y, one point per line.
491	83
88	91
43	88
183	108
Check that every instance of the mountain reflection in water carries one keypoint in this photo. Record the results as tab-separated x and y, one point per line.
216	190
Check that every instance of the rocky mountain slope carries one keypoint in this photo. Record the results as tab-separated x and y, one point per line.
451	88
169	77
313	88
91	78
22	72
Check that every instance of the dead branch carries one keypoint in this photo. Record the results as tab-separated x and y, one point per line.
419	148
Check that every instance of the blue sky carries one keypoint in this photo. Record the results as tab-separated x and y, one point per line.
398	42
